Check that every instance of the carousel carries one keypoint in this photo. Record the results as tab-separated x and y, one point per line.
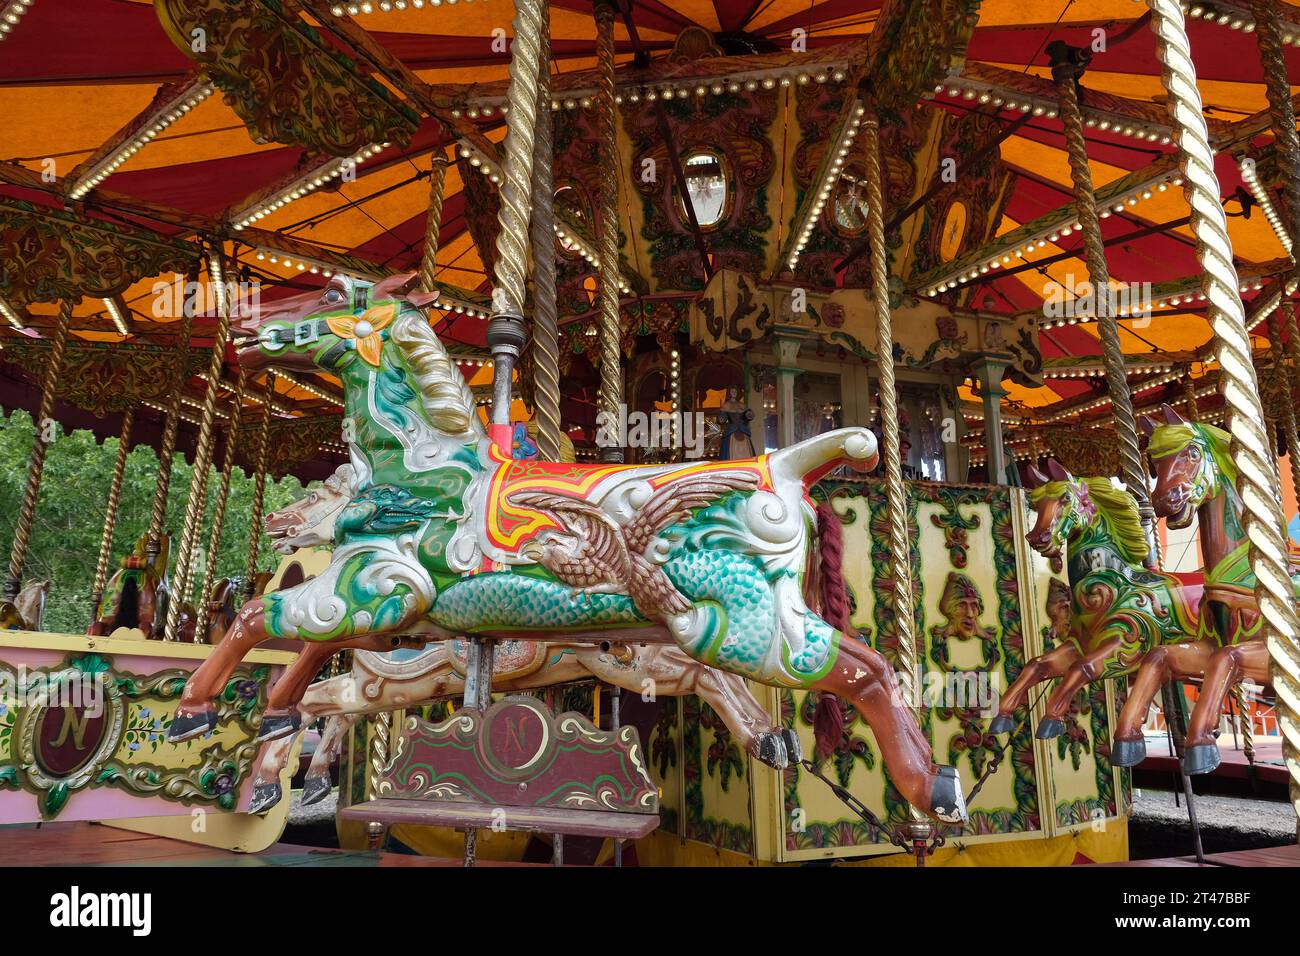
732	432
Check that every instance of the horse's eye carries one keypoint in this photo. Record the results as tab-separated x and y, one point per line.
332	296
1194	453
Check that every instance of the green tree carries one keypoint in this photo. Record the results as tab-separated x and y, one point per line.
70	512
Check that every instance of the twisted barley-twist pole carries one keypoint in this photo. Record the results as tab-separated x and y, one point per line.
517	166
433	225
900	556
1192	410
611	372
36	465
110	511
1258	484
381	725
219	517
167	446
259	488
202	452
1281	110
546	326
1131	467
1287	397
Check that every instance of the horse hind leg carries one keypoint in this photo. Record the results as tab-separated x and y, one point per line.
316	785
1224	669
1044	667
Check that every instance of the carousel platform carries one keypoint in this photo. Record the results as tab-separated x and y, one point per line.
90	844
1267	857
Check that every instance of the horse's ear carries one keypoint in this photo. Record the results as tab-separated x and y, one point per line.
395	287
422	300
1147	426
1033	477
1057	471
1171	416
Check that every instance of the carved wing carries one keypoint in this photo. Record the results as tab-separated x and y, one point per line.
597	553
676	500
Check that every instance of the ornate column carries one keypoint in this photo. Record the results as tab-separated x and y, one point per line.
1258	483
167	446
36	466
110	511
203	451
611	333
1068	65
988	371
786	349
546	326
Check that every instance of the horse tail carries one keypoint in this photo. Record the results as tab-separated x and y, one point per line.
828	718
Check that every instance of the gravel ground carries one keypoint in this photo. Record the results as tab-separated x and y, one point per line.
1261	817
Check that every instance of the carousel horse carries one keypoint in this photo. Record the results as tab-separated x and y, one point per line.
1120	610
1195	479
26	611
223	603
404	678
447	536
136	595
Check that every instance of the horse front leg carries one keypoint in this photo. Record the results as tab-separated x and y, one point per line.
1043	667
196	715
1084	671
864	678
1159	666
1223	671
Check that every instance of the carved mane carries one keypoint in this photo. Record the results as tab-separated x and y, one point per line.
1116	509
447	400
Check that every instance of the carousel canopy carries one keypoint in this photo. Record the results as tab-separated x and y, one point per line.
302	135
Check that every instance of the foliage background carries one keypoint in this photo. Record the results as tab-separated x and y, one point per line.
70	514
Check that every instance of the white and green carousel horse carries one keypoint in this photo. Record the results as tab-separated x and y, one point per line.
448	536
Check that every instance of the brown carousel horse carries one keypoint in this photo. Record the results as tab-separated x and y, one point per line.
224	600
1195	479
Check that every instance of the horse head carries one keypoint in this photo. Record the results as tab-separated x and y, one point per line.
309	521
321	328
1190	460
1062	508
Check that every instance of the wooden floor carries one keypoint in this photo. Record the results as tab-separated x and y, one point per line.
1249	859
89	844
1268	761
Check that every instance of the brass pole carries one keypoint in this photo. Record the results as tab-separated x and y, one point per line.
433	224
110	511
36	466
259	488
1259	483
1192	410
204	611
610	330
506	333
194	507
546	326
167	446
1066	70
900	552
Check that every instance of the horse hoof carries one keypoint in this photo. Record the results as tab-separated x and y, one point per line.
275	726
1202	758
947	802
1002	724
1050	728
771	750
793	749
186	726
265	796
1128	753
315	789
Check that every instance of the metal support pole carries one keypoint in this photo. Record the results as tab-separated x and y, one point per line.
36	466
204	609
110	512
167	446
202	453
259	489
1259	483
433	224
1068	65
546	326
615	722
610	398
